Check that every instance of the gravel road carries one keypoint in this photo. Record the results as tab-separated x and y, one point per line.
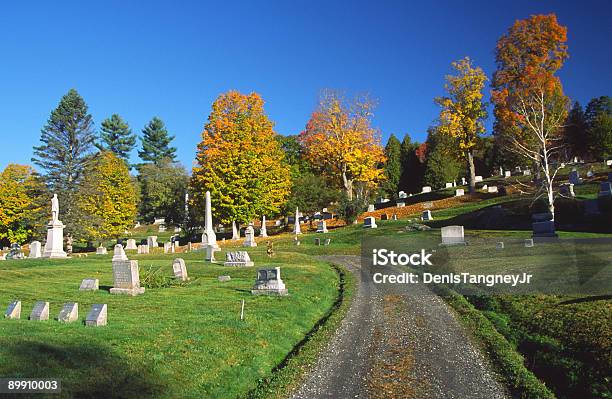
394	344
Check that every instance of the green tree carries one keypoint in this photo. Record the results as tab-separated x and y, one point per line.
117	137
598	118
393	167
22	199
441	166
156	143
412	167
67	141
162	191
106	198
310	193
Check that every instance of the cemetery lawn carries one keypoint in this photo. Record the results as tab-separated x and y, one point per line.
179	341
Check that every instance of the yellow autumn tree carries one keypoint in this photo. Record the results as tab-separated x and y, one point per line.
463	112
106	199
240	161
21	207
340	142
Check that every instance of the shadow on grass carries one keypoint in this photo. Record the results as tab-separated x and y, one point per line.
86	370
105	287
587	299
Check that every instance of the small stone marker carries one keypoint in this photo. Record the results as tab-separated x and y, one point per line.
527	172
210	253
119	253
449	185
402	195
126	280
97	316
238	258
322	226
369	222
500	245
426	215
528	242
269	282
543	225
13	311
453	235
400	204
384	216
101	250
249	234
492	189
179	269
152	241
69	313
131	244
317	241
224	278
459	192
35	250
394	217
426	189
90	284
40	311
507	174
371	208
463	181
327	241
167	247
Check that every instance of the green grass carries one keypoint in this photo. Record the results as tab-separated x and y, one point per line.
168	343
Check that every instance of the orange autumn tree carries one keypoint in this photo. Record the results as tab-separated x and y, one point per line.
340	142
463	112
530	107
240	161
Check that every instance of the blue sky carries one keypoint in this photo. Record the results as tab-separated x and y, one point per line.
172	59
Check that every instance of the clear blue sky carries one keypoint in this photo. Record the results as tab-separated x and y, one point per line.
172	59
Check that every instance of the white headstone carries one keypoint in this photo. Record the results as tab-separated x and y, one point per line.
209	238
477	179
54	247
452	235
500	245
322	226
402	195
131	244
459	192
167	247
89	284
126	279
463	181
400	204
449	185
249	234
35	250
264	231
40	311
371	208
529	243
152	241
369	222
426	215
179	269
101	250
426	189
235	233
13	311
492	189
97	316
69	313
269	282
119	253
238	258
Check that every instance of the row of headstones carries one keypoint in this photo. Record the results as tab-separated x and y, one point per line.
97	316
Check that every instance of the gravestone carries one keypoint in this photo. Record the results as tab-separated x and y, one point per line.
400	204
13	311
269	282
567	189
263	232
369	222
296	228
15	252
317	241
322	226
101	250
249	237
463	181
224	278
543	225
119	253
605	190
40	311
152	241
453	235
590	174
574	177
35	250
477	179
167	247
394	217
529	243
384	216
54	247
402	195
527	172
131	244
179	269
209	238
327	241
371	208
507	174
210	253
492	189
97	316
500	245
426	189
485	187
459	192
235	232
161	228
238	258
609	162
69	313
426	215
90	284
126	280
449	185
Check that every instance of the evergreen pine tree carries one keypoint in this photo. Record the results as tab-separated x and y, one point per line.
412	168
117	137
67	140
393	167
156	143
575	131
